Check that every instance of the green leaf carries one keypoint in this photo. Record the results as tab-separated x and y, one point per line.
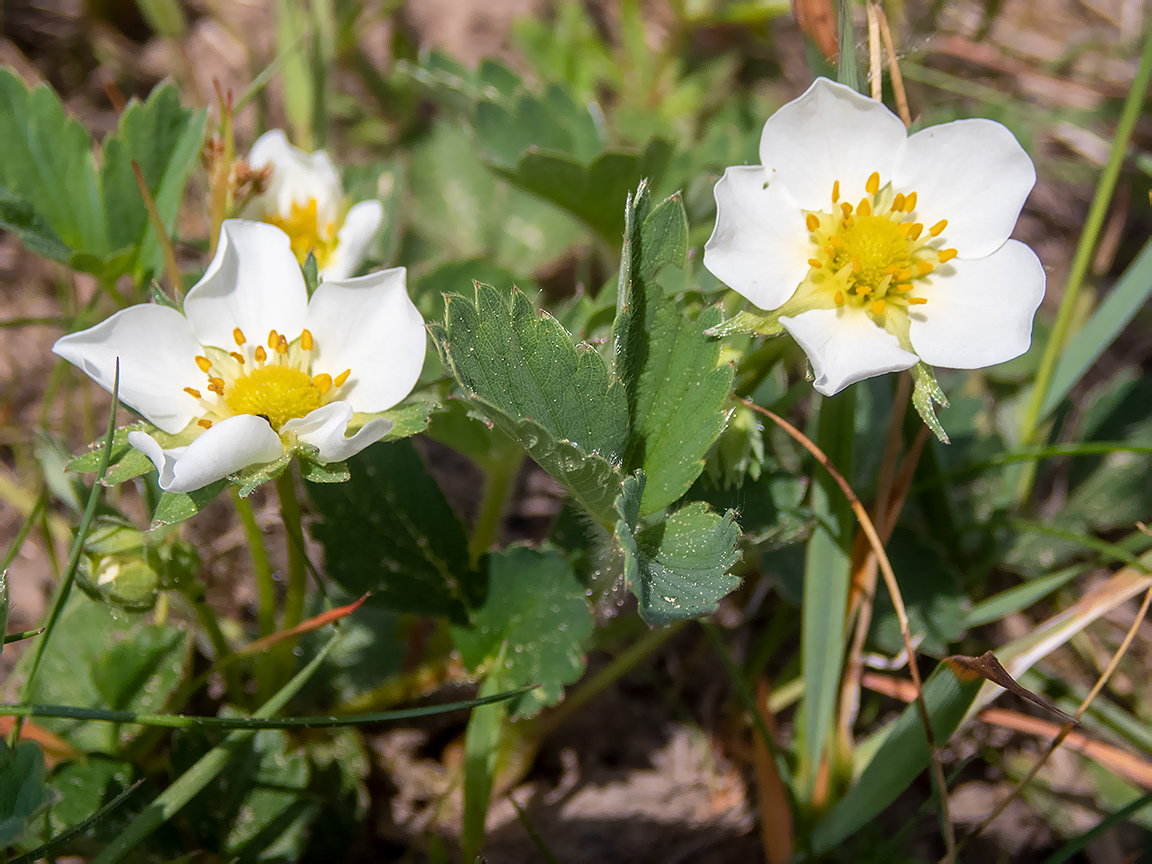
408	419
1126	298
677	568
594	193
165	140
900	759
21	788
554	123
748	322
676	390
538	614
521	371
177	506
19	217
46	160
390	531
98	657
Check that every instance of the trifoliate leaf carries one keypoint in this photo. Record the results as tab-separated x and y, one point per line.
677	568
537	610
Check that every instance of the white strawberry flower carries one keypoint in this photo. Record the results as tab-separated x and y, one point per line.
253	368
877	249
305	199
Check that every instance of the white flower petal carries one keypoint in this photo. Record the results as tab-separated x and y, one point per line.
759	246
254	283
360	226
370	326
845	346
324	429
156	347
227	447
297	178
975	174
981	312
830	133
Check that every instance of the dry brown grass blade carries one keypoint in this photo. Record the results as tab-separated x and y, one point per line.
986	666
897	603
1121	763
894	68
55	749
818	22
1066	729
875	76
777	833
308	626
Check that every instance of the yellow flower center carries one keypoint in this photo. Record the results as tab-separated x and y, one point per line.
276	383
874	255
302	225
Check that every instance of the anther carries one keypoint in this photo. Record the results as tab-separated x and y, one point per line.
856	268
845	208
835	242
342	377
815	262
946	255
924	267
282	345
873	184
864	208
322	382
193	392
898	201
878	307
917	229
917	301
910	202
835	191
812	221
273	339
217	383
238	335
306	339
938	227
237	356
204	424
204	363
839	298
261	355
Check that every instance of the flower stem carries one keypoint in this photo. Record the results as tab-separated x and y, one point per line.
297	571
1085	248
498	487
265	590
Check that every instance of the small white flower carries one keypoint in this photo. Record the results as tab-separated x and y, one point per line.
253	367
305	198
876	248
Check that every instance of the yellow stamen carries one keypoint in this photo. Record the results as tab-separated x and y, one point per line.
237	356
873	184
946	255
925	267
193	392
342	377
204	424
835	191
238	335
815	262
282	345
835	242
845	208
306	340
898	201
273	339
856	268
261	355
910	202
322	382
204	363
938	227
812	221
917	301
839	298
864	208
917	229
878	307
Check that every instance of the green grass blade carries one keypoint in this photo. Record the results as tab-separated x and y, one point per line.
1125	299
1106	824
78	829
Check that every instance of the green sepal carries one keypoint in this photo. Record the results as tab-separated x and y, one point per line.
925	395
324	472
748	322
311	271
125	461
177	506
158	296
